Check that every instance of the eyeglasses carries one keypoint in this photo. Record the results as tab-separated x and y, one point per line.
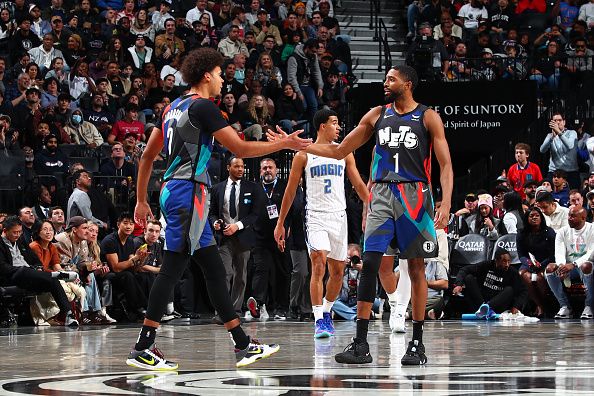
580	47
57	21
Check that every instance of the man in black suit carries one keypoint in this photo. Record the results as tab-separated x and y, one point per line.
271	267
234	208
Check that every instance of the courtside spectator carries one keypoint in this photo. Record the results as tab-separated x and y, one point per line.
555	214
574	245
536	250
20	266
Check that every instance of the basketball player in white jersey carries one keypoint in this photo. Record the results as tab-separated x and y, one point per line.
325	216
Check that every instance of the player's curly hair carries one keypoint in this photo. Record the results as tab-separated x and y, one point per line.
198	62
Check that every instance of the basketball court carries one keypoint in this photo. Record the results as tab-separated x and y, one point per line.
464	358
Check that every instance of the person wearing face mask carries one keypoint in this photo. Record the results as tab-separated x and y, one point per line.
50	160
82	132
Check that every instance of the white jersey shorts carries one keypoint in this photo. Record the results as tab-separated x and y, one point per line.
327	231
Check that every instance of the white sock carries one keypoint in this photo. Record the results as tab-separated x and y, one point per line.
392	297
318	312
404	287
327	306
169	308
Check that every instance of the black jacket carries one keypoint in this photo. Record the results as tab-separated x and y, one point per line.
264	227
494	281
47	163
250	201
6	267
289	108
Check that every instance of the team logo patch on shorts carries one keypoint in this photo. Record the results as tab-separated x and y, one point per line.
428	246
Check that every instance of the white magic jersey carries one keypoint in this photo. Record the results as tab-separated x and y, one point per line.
324	184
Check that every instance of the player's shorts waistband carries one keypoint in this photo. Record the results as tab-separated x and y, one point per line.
187	180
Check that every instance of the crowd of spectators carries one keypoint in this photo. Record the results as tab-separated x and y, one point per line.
96	77
97	73
83	83
550	43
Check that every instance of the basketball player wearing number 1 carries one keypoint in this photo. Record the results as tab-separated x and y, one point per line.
325	217
401	205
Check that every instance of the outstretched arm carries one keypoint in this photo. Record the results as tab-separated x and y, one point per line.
228	138
297	167
145	168
355	139
446	177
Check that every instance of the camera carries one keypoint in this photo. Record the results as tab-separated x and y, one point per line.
355	260
222	224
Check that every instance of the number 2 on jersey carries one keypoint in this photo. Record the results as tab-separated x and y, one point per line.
396	168
327	186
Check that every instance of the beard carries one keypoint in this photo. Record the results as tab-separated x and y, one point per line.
268	178
392	96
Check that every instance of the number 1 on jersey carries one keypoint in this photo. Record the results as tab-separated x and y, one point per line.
396	168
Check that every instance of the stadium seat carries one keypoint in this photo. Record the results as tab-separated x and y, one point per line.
12	182
11	298
73	150
471	249
507	242
90	163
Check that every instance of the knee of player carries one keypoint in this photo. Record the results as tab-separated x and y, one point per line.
386	271
318	269
318	257
586	268
551	268
416	272
336	271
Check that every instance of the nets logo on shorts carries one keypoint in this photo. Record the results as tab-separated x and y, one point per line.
428	246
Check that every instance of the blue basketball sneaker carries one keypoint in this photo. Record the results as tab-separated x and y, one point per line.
329	323
321	331
483	311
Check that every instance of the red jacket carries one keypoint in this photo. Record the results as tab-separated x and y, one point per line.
517	176
535	5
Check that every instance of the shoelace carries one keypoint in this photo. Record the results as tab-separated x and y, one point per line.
350	346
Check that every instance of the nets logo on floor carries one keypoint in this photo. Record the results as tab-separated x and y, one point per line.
390	380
